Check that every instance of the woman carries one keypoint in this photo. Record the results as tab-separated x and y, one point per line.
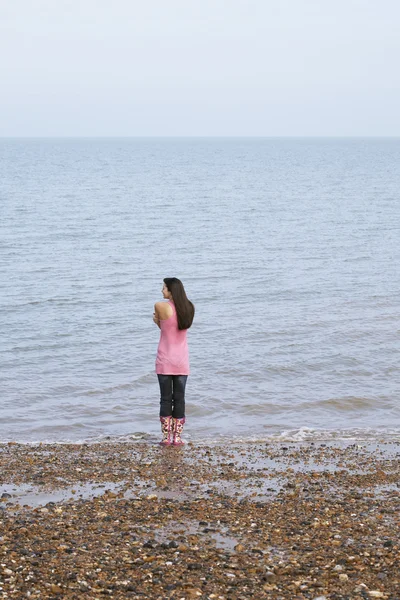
174	318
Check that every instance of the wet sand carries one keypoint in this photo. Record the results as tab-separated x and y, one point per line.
230	521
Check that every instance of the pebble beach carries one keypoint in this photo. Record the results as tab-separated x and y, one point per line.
218	521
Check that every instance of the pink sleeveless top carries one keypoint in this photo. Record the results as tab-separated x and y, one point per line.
172	353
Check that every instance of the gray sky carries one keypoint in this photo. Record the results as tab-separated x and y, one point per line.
199	67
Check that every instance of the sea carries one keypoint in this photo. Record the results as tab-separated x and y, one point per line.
289	249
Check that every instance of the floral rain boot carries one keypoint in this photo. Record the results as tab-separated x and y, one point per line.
166	430
177	429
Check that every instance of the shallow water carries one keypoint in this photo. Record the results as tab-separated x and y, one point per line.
288	247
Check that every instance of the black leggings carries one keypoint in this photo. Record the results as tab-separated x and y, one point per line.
172	390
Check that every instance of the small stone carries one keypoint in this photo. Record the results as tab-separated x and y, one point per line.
376	594
55	589
193	592
239	548
343	577
194	566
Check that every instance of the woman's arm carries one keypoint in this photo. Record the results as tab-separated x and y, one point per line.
156	316
162	311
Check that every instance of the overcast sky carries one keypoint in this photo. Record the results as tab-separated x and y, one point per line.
199	67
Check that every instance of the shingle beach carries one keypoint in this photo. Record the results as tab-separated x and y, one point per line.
221	521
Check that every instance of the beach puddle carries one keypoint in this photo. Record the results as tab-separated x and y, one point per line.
249	488
224	541
26	495
390	489
189	532
304	458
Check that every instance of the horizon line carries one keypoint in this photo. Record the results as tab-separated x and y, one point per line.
91	137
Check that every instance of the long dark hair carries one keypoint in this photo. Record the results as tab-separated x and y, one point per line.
184	308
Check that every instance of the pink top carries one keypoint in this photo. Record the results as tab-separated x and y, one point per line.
172	353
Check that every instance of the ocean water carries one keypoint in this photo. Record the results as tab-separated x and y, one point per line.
289	248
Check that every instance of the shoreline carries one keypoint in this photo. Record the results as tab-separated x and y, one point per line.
299	435
262	520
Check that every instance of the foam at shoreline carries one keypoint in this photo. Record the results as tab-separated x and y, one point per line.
302	434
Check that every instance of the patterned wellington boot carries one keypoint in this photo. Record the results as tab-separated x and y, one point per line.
177	429
166	430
